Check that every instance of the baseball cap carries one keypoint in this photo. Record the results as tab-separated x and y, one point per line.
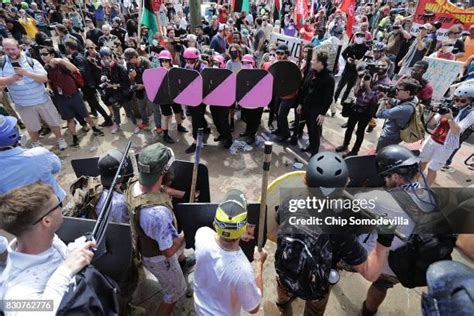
153	161
436	24
425	26
108	165
231	215
223	27
282	48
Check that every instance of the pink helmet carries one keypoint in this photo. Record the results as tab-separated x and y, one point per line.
249	59
191	53
220	60
165	54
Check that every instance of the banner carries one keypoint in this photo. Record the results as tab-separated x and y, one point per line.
294	45
441	74
444	11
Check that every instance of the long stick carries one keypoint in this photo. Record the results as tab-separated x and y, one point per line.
100	227
263	201
197	158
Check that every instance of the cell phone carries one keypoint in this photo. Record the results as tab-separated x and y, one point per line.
16	64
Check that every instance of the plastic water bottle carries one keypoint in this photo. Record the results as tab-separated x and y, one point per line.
333	277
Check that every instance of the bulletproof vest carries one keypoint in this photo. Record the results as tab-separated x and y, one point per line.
145	245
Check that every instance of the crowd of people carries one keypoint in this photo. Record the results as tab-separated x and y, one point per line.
75	61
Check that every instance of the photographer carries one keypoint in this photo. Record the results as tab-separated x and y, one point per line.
451	124
397	112
115	86
367	97
136	65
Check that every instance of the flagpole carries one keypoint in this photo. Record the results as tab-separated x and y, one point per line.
140	12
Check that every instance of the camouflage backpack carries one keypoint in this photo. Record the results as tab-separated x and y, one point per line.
85	192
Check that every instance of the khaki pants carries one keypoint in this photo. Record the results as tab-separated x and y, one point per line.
311	308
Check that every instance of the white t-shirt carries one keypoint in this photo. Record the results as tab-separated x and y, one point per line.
224	280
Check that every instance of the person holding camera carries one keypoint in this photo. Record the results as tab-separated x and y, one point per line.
136	65
115	85
397	112
451	124
367	96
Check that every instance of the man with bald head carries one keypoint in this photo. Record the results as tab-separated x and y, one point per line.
25	79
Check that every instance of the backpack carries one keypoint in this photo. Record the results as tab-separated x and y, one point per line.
303	263
411	261
29	60
85	192
78	79
415	129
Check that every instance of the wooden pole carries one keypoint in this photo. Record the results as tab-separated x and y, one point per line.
263	201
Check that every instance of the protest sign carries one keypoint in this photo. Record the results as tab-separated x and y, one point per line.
441	74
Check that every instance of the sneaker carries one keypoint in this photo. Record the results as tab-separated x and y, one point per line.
44	131
75	142
115	129
107	124
228	144
143	125
250	140
136	130
85	128
219	138
448	169
187	264
62	144
344	125
206	131
276	132
168	139
191	149
182	129
370	129
341	148
36	144
294	141
349	154
98	132
158	130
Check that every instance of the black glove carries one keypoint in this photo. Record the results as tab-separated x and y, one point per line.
385	239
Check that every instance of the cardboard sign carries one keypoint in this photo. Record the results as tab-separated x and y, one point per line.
441	74
333	53
444	11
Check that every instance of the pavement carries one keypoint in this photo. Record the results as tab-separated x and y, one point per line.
244	171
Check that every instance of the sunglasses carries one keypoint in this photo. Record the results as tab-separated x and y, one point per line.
460	100
44	54
59	205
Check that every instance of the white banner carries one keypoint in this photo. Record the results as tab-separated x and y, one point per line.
441	74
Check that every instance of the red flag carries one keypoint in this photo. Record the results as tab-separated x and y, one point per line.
301	11
348	7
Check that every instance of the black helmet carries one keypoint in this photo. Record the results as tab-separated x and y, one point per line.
105	51
396	159
117	20
327	170
108	165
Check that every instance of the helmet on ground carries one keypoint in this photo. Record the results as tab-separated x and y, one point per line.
108	166
465	90
396	159
220	60
327	170
153	162
9	133
191	53
105	51
165	54
249	59
231	216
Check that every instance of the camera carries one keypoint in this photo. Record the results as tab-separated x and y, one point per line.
104	82
390	91
366	70
444	106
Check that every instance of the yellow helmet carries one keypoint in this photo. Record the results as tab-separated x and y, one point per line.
231	216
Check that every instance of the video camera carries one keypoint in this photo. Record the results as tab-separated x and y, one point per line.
366	70
444	106
390	91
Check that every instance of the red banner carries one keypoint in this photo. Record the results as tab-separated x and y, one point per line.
444	11
348	7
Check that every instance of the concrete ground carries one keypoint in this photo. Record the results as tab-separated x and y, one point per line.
243	171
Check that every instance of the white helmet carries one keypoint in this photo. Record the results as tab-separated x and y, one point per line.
465	90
